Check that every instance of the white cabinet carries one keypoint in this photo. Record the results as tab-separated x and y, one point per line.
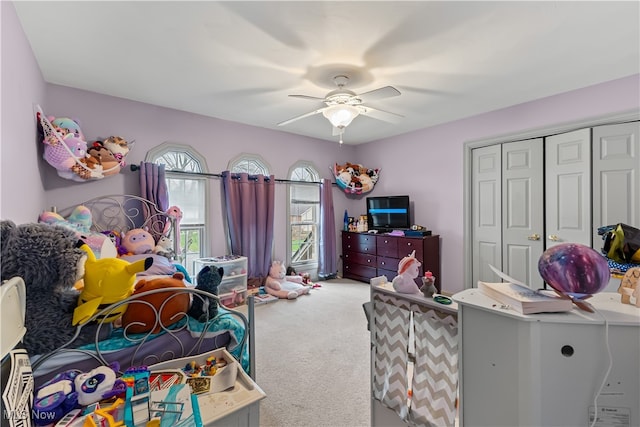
233	287
529	195
546	369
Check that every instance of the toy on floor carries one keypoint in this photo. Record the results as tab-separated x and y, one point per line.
408	270
282	286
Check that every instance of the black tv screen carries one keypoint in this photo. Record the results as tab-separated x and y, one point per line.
388	213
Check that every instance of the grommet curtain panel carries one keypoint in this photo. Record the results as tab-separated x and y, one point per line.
153	187
249	213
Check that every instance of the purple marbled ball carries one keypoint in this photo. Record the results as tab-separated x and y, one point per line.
574	269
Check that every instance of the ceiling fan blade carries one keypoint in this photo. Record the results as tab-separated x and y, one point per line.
374	113
315	98
380	93
311	113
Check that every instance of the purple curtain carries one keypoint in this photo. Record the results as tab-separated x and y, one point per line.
153	187
327	260
249	204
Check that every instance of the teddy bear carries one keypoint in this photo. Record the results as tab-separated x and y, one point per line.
164	309
50	262
282	286
208	279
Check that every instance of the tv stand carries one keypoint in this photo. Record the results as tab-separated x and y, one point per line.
368	255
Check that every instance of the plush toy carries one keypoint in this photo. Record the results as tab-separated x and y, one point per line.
50	263
138	241
282	286
80	221
105	158
208	279
176	213
99	384
63	153
164	247
408	270
55	398
118	147
66	126
168	307
354	178
106	281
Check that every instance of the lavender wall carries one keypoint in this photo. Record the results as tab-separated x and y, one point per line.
426	164
22	86
434	157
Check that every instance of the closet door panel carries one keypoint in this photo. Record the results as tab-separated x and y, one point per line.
522	210
568	188
616	176
487	211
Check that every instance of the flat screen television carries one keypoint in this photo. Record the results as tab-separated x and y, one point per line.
386	213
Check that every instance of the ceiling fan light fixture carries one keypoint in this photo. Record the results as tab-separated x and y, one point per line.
341	116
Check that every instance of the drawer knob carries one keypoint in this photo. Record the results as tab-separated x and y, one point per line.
368	260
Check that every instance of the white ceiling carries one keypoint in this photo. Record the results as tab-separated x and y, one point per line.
239	61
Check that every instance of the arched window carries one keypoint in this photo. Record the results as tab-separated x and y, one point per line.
188	192
304	217
249	163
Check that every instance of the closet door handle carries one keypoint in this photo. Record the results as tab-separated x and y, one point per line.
553	237
534	237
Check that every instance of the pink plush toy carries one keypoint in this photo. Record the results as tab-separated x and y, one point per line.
282	286
138	241
176	213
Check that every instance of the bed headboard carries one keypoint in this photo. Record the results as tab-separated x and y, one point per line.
123	212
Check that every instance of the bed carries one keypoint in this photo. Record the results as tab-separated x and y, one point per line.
230	329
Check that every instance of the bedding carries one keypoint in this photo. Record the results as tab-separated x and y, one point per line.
116	214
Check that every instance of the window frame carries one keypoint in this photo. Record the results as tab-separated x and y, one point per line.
158	152
309	266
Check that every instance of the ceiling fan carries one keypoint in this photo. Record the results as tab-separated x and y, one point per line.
343	105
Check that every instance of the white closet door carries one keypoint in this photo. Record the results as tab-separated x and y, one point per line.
616	176
568	188
486	212
522	210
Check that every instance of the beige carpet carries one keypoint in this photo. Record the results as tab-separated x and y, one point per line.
312	358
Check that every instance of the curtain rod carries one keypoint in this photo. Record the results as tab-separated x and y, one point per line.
135	168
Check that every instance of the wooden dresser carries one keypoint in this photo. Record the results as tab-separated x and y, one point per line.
368	255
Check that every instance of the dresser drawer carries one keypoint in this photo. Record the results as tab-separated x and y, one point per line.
387	246
361	258
359	242
359	272
390	264
408	245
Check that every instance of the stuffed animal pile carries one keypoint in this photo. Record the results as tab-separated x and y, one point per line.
50	262
67	150
354	178
282	286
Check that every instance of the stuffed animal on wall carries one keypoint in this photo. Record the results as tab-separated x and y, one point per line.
169	306
105	158
138	241
50	263
63	154
119	147
66	126
208	279
106	281
282	286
